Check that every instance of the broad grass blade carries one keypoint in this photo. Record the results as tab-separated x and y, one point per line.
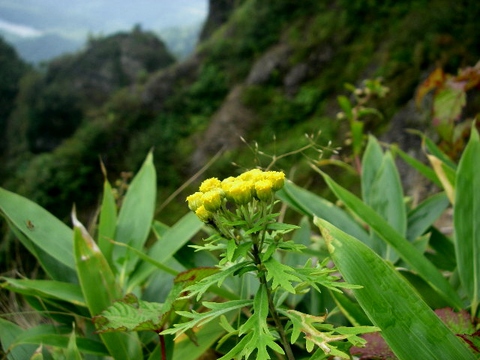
312	205
172	240
50	335
382	191
49	239
409	254
100	289
107	222
425	214
46	289
8	333
423	169
467	220
136	214
408	325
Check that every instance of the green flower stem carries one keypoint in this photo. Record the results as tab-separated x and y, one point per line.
271	305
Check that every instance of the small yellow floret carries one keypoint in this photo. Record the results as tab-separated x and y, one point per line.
203	214
210	184
252	175
212	200
263	189
194	201
277	178
241	192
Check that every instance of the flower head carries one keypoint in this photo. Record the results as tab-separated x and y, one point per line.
195	201
210	184
263	190
203	214
277	178
241	192
212	200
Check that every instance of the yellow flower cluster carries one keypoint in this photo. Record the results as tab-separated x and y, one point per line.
253	184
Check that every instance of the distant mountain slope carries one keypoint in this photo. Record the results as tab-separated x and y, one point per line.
269	71
44	30
45	47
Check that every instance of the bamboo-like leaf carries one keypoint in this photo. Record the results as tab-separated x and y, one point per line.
8	333
136	214
312	205
408	325
107	222
43	234
423	169
467	220
172	240
73	352
51	335
409	254
100	289
382	191
423	216
46	289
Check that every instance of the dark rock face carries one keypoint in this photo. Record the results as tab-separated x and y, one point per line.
218	13
228	125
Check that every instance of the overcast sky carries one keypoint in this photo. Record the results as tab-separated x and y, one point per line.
76	18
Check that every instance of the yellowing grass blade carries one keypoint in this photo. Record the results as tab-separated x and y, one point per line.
409	326
100	289
467	220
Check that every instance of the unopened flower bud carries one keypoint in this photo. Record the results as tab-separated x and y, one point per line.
241	192
252	175
203	214
194	201
210	184
277	178
212	200
263	189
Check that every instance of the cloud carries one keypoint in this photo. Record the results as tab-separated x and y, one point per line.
19	30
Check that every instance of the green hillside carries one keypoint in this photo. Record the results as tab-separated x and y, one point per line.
273	68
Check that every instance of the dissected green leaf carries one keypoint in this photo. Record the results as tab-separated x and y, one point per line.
217	277
257	335
206	337
280	274
130	314
202	318
467	220
408	325
323	335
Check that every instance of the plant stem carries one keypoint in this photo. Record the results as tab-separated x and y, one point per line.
163	352
271	307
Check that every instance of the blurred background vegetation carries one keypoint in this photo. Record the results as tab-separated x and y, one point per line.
265	70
